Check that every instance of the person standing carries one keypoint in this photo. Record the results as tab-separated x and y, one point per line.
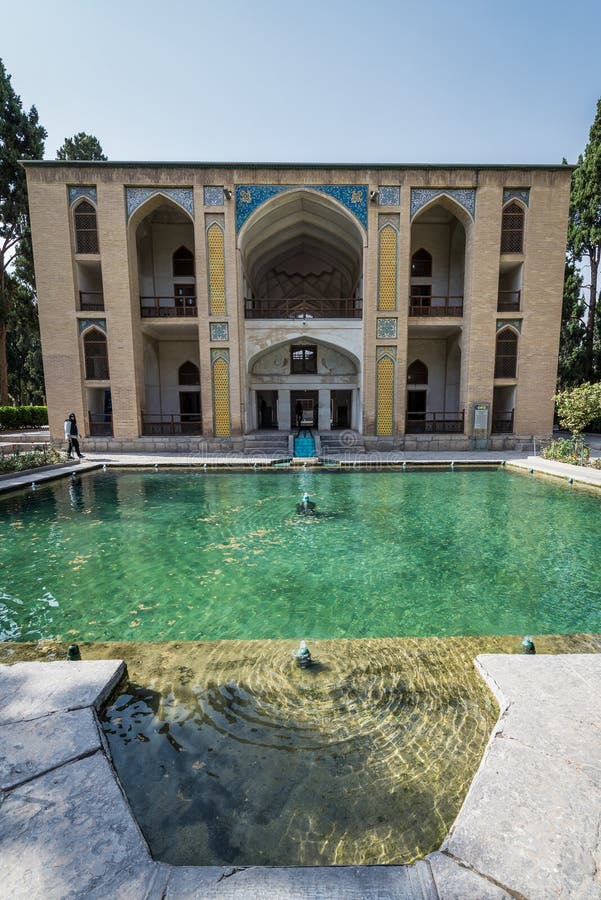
72	436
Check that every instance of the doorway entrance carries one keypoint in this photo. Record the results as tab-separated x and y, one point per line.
306	409
267	409
340	409
416	411
189	408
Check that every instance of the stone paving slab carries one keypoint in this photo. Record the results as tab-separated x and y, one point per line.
70	833
456	882
317	883
28	749
31	690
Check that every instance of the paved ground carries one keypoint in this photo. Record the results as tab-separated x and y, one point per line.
529	827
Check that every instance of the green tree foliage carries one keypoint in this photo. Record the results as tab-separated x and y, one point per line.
572	362
584	237
81	146
21	137
579	406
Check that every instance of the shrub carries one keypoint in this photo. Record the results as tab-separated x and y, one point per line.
18	460
579	406
567	450
16	418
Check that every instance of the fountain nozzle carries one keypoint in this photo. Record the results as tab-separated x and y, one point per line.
303	656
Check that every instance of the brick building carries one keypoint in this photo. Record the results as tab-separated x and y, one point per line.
203	305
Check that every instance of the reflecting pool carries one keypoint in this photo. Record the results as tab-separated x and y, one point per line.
182	555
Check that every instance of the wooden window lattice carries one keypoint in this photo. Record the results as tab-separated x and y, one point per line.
96	355
86	229
506	355
512	229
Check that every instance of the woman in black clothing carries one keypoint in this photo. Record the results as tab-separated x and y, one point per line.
72	436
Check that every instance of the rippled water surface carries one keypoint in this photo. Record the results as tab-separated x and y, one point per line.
186	555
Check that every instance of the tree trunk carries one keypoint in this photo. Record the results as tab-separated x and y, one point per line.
592	312
3	367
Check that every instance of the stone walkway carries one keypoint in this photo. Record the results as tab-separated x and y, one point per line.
529	827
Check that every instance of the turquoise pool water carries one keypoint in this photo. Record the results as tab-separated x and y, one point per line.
193	556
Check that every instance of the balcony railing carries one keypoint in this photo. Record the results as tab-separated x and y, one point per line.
180	423
502	423
435	422
435	306
304	308
170	307
91	301
509	301
101	424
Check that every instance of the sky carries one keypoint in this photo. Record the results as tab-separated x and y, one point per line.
341	81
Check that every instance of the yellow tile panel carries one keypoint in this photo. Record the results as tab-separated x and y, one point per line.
387	271
385	396
215	246
221	397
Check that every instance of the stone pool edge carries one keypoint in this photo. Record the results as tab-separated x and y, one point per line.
529	825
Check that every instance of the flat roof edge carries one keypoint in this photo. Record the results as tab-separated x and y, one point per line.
130	164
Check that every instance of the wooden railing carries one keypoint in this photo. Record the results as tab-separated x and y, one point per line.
509	301
101	424
170	307
304	308
91	301
180	423
435	422
435	306
502	423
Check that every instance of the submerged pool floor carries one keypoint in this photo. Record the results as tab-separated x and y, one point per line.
184	555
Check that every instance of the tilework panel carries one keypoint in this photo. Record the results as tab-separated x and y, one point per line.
386	328
82	324
385	395
216	273
516	323
88	191
184	197
466	197
221	395
523	194
387	267
250	196
389	195
213	196
220	331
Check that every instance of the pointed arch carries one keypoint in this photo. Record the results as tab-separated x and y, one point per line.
417	372
85	227
188	374
506	353
183	263
512	227
95	349
421	264
450	204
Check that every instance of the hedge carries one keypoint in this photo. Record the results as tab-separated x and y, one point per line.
17	418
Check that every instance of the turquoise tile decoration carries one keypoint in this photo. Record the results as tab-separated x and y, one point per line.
82	324
389	195
465	197
386	328
84	190
515	323
220	331
522	194
213	195
135	196
250	196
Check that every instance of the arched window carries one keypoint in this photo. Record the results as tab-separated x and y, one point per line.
188	374
86	230
183	263
506	355
96	356
421	264
512	229
417	373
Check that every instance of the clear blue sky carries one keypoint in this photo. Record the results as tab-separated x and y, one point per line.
311	80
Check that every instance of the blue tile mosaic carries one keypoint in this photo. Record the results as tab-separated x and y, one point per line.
220	353
515	323
522	194
389	195
78	191
466	197
213	196
386	328
220	331
250	196
184	197
385	351
82	324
